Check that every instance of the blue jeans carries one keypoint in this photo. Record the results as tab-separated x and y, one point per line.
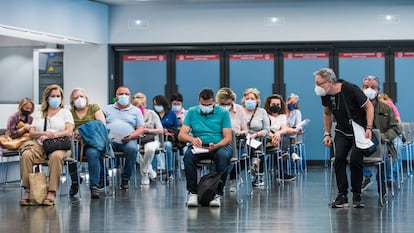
94	165
221	158
169	154
130	150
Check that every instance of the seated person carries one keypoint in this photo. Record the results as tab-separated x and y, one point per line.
126	125
55	121
211	129
152	126
171	125
19	123
84	112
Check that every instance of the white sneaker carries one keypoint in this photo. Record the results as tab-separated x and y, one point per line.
152	175
295	156
145	179
192	200
216	202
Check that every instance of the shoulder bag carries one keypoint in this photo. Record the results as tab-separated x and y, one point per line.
59	143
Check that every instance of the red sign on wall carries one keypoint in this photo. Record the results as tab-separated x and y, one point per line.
404	54
145	57
362	55
197	57
306	55
259	56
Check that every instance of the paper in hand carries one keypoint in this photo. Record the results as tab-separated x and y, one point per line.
252	142
199	150
359	134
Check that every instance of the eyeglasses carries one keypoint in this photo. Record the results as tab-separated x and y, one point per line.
320	84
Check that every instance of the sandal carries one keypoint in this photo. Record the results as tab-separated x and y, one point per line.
48	201
26	201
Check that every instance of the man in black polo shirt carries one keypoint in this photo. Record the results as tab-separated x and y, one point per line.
337	96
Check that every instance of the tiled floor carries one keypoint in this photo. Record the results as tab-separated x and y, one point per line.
299	206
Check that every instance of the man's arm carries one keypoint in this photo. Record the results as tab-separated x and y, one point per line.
184	136
369	109
327	124
139	130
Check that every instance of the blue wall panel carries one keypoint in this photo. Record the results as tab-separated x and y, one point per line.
256	72
194	75
299	79
148	76
404	78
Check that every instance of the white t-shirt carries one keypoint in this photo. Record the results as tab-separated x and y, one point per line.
54	123
277	122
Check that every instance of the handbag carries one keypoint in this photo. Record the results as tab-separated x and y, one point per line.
146	138
59	143
15	143
38	186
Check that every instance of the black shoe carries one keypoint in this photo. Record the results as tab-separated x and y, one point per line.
101	184
357	201
341	201
366	183
289	177
95	192
124	184
74	188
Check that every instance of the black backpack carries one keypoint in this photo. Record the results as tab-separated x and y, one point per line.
208	186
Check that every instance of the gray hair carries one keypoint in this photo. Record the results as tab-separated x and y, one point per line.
326	74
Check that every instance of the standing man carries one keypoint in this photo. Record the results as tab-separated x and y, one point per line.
125	124
337	96
206	126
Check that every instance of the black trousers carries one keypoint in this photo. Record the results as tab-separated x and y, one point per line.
344	146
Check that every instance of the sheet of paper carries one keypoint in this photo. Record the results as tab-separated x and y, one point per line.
359	134
253	142
199	150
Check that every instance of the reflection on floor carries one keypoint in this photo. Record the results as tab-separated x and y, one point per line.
299	206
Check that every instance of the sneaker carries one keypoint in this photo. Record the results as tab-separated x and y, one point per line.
341	201
287	178
357	201
152	175
258	181
95	192
216	202
124	184
232	186
366	183
192	200
145	179
295	156
101	185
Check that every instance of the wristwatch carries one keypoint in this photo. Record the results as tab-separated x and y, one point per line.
327	134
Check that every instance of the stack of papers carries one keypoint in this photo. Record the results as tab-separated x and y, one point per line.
199	150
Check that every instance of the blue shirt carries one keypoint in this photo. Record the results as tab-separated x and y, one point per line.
170	120
122	121
208	127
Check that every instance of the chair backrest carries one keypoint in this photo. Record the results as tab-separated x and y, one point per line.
234	144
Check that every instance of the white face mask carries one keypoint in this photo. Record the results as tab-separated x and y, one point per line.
370	93
80	102
320	91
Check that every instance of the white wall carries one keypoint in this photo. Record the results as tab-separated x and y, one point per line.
80	19
244	22
85	66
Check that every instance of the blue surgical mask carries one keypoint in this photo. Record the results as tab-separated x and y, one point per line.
123	100
158	108
250	104
206	109
176	108
291	107
54	102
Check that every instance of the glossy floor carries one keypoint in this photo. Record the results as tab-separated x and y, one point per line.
299	206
